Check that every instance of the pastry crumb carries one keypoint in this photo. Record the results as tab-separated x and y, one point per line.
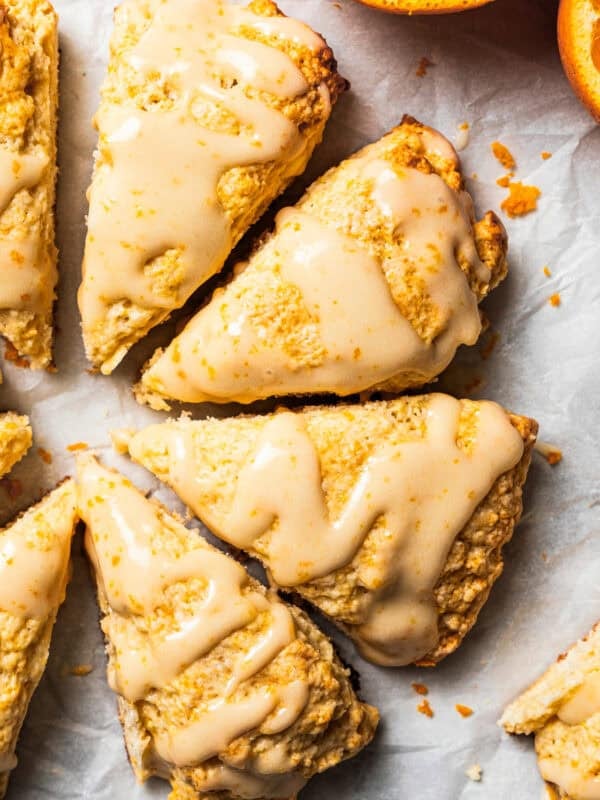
75	446
547	272
503	154
554	299
462	140
424	65
474	772
464	711
44	455
545	155
425	709
550	452
81	670
522	199
420	688
12	354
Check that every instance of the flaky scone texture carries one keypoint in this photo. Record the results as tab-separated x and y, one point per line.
15	440
25	642
333	726
535	711
244	192
28	118
345	436
345	205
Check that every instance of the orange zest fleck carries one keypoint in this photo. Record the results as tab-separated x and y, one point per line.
464	711
424	65
504	181
420	688
546	155
488	348
521	199
45	455
425	709
504	156
72	448
554	299
547	272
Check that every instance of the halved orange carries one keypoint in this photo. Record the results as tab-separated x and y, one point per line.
579	44
425	6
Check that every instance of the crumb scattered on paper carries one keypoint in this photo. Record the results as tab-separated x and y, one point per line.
521	199
425	709
424	65
72	448
420	688
547	272
554	299
504	156
550	452
464	711
504	180
12	354
81	670
462	139
546	155
45	455
474	772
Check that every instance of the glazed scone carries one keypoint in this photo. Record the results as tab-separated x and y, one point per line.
389	516
372	280
15	440
28	107
34	570
562	709
208	111
223	689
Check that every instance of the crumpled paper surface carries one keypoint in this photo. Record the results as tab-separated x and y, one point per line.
497	69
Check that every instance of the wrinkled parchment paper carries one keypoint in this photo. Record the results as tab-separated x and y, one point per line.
498	70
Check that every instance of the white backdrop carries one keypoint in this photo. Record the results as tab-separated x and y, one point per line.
498	70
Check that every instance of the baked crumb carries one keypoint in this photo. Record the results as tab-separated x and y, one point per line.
546	155
550	452
424	65
474	772
504	156
12	354
73	448
81	670
45	455
425	709
521	199
464	711
420	688
554	299
547	272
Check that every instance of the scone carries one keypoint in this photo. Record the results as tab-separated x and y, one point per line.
562	709
208	111
34	570
389	516
15	440
222	688
578	30
28	104
425	6
372	280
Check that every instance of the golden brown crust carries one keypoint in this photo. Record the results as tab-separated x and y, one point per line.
15	440
28	116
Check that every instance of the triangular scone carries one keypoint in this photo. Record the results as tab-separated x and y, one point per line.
388	516
372	280
222	687
562	709
34	570
15	440
28	103
208	111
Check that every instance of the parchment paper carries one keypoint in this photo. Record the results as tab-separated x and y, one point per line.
498	70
